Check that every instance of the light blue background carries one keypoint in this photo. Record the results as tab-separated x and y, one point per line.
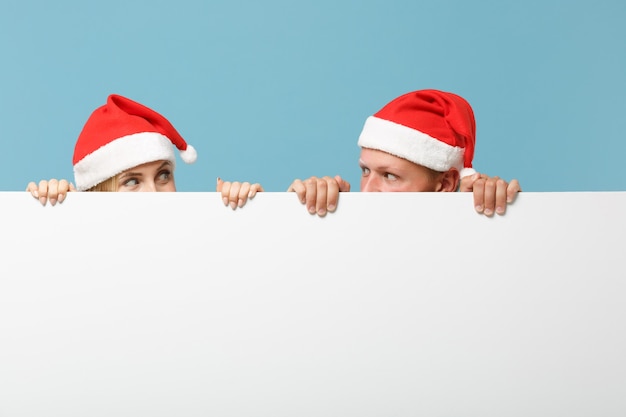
269	91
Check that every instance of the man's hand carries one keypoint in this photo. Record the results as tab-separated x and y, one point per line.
320	195
491	194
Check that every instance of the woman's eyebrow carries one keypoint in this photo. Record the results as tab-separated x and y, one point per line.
130	174
136	174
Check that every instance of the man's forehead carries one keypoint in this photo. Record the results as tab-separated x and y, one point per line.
381	158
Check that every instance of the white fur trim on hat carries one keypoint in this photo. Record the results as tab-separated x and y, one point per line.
410	144
121	154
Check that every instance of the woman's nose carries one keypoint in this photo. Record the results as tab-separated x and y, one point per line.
149	187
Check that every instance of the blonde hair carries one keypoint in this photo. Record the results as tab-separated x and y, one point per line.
106	185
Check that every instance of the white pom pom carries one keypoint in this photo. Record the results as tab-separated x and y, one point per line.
466	172
189	155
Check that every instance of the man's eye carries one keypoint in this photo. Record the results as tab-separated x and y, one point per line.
365	171
390	176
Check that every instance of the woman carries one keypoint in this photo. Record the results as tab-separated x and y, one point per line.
128	147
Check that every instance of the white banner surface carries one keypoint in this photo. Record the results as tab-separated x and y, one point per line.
163	304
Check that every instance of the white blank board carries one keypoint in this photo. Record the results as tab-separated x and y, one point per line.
162	304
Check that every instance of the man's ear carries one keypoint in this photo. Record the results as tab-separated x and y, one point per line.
449	180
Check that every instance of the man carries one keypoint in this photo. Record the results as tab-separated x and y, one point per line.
422	141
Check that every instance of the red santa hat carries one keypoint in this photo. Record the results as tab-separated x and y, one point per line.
121	135
431	128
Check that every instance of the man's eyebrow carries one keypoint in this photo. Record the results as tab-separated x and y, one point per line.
376	167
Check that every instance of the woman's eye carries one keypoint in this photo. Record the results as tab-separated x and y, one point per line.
164	175
131	182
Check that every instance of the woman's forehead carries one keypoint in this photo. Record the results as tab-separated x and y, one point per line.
154	165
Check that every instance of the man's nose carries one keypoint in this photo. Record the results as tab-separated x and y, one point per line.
370	184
